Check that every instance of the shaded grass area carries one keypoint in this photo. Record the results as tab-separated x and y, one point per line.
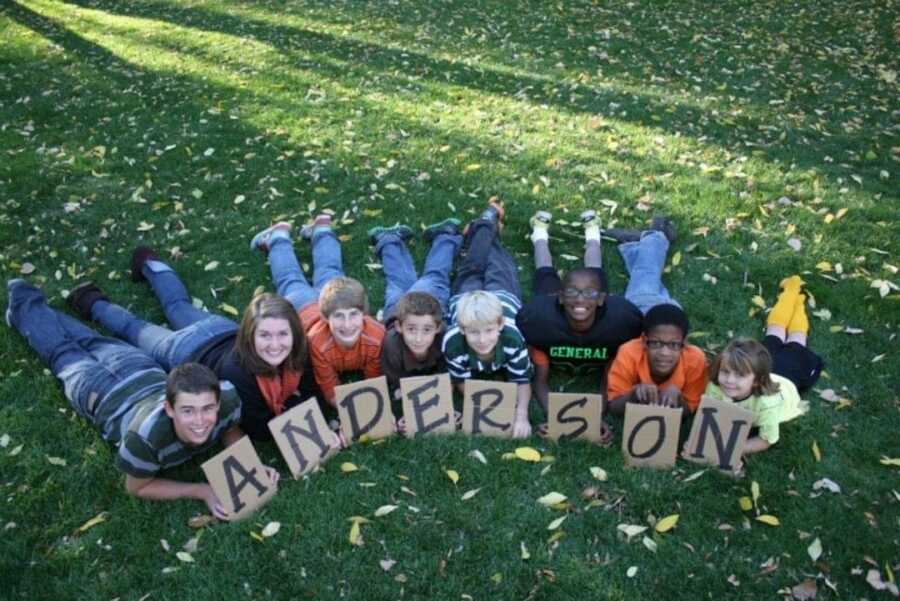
191	125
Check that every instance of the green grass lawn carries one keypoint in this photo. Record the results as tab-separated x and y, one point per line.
767	130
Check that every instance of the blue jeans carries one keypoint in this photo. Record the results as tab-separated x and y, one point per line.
89	365
486	265
644	261
288	275
400	271
194	328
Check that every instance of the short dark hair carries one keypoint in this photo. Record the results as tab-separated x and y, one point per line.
192	378
666	314
418	303
598	274
265	306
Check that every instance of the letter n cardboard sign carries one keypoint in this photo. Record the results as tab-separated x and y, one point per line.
719	433
239	480
574	416
650	435
489	408
303	437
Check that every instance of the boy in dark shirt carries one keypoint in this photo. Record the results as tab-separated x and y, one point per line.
573	320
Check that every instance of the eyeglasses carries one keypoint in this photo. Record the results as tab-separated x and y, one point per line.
588	293
672	345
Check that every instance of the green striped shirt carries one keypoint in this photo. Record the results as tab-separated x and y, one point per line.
510	354
149	444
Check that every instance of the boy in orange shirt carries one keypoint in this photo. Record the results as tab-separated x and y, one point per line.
659	368
341	336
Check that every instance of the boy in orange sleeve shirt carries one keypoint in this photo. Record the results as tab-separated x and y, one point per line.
332	309
658	368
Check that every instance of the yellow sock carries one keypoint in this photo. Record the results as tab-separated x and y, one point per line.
792	283
799	321
781	313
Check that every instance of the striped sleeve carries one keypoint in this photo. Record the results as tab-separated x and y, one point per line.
518	364
456	355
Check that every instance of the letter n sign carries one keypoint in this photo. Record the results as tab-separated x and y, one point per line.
719	433
303	437
650	435
239	480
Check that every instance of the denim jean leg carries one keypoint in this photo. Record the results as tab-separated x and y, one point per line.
645	260
173	296
129	327
328	262
470	272
288	275
399	270
67	346
435	278
502	273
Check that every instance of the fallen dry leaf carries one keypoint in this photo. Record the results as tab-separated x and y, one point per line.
805	591
667	523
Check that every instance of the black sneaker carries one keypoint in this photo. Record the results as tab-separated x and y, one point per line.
83	297
665	225
139	256
447	226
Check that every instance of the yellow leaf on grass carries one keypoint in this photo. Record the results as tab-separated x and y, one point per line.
599	474
271	529
552	498
525	553
815	549
97	519
885	460
676	259
557	523
470	493
746	503
453	475
355	536
473	167
528	454
759	301
211	265
384	510
770	520
348	467
816	452
228	309
667	523
56	461
184	556
754	491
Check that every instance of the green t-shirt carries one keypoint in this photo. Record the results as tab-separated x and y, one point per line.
769	410
149	444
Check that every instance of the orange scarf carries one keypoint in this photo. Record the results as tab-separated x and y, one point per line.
276	389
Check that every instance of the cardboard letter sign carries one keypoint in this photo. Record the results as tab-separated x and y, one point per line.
719	433
303	437
239	480
364	408
650	435
489	408
428	405
572	416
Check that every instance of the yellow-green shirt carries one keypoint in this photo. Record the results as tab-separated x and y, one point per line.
769	410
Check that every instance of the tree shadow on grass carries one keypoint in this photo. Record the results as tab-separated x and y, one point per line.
357	60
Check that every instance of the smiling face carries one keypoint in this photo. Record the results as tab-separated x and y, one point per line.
482	338
194	416
273	340
735	385
346	325
580	297
418	333
664	344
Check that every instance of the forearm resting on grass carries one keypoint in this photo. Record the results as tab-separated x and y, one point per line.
164	489
756	444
